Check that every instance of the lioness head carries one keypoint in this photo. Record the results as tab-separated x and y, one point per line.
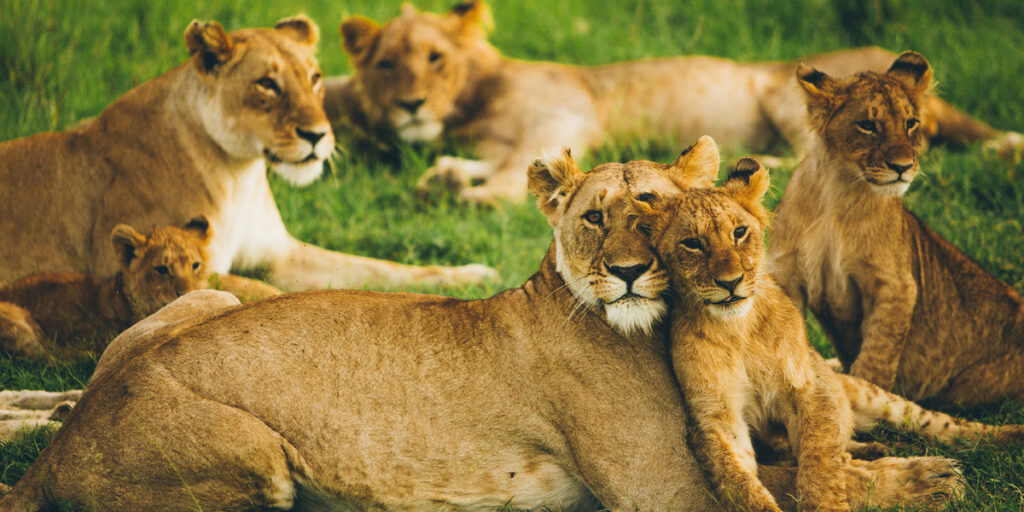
262	94
711	239
163	265
412	70
872	121
607	265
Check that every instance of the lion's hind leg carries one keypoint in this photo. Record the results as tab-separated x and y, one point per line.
20	335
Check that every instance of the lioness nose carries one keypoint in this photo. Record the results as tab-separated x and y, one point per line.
729	285
312	137
411	105
899	168
628	274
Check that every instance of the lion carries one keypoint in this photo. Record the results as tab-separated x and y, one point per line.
903	307
533	398
195	140
421	76
743	359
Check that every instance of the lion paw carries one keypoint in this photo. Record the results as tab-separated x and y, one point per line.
1008	145
893	481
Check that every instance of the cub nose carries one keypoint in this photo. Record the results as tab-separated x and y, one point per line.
729	285
628	274
312	137
411	106
898	168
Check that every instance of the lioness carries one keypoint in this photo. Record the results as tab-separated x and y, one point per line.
743	359
422	75
195	140
902	307
363	400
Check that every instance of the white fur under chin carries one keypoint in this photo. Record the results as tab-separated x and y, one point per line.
635	315
892	189
302	174
421	131
733	310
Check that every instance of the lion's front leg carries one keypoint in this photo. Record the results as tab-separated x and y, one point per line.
454	173
888	310
816	437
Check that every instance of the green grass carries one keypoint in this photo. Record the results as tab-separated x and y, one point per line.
61	62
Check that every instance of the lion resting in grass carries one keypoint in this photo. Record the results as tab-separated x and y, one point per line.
195	140
903	307
420	76
533	398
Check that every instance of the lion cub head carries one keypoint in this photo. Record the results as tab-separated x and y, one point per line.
871	122
261	94
607	265
163	265
412	70
711	239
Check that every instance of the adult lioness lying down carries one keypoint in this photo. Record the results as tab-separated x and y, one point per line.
362	400
422	75
193	141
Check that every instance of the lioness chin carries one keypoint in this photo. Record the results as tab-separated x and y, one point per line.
534	398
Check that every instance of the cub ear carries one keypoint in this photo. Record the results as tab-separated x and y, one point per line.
821	92
209	41
747	184
200	226
126	242
300	28
696	166
552	179
471	16
358	35
912	70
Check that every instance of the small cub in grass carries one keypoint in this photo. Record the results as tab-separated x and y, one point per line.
742	357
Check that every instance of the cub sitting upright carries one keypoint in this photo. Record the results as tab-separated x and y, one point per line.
902	306
66	314
743	360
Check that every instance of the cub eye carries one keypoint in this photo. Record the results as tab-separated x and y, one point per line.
912	125
594	217
739	232
269	84
435	56
195	266
385	64
692	244
315	79
867	126
162	270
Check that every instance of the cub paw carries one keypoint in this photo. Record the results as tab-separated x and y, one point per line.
912	481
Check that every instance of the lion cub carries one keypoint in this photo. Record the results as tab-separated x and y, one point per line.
742	356
903	307
69	314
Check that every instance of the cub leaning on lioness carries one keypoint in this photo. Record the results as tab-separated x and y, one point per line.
903	307
534	398
195	140
421	75
743	359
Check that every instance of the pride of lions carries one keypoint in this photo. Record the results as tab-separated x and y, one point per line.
656	360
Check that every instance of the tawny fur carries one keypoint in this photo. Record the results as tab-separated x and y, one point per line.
743	359
903	307
352	399
195	140
420	76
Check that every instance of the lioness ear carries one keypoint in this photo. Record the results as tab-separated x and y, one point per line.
696	166
126	241
200	226
747	184
358	35
470	16
552	180
209	41
912	70
301	29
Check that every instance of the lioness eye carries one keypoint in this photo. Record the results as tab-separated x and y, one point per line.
594	217
269	84
912	125
692	244
385	64
315	78
867	126
162	270
435	56
739	232
195	265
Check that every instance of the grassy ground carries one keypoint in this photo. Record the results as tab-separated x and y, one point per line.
61	62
